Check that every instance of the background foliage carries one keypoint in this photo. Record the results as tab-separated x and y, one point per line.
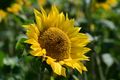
102	26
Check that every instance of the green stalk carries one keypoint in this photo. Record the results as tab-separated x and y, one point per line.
100	68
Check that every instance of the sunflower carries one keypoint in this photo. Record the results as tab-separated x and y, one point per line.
106	4
2	15
42	2
55	38
12	6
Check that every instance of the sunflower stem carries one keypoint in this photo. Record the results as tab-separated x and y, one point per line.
85	76
100	68
93	66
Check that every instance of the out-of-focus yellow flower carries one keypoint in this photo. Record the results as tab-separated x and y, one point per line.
20	2
26	3
3	14
55	38
15	8
92	27
112	2
106	4
42	2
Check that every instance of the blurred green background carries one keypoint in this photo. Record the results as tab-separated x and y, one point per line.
99	19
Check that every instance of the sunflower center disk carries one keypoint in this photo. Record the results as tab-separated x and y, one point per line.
56	43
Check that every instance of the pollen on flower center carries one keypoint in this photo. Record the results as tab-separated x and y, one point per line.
56	43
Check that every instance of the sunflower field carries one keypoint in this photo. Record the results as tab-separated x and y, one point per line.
59	39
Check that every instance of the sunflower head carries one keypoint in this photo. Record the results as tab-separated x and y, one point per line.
42	2
3	14
112	3
55	38
106	4
13	6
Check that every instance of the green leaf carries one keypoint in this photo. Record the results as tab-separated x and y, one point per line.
20	44
2	55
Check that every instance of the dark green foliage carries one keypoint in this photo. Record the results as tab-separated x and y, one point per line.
16	62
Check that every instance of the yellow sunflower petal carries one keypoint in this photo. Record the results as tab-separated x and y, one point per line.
80	40
54	21
78	53
61	19
35	29
3	14
43	11
38	52
67	26
33	35
76	65
32	28
56	67
44	15
35	46
38	19
63	72
74	32
31	41
80	67
80	50
69	62
15	8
